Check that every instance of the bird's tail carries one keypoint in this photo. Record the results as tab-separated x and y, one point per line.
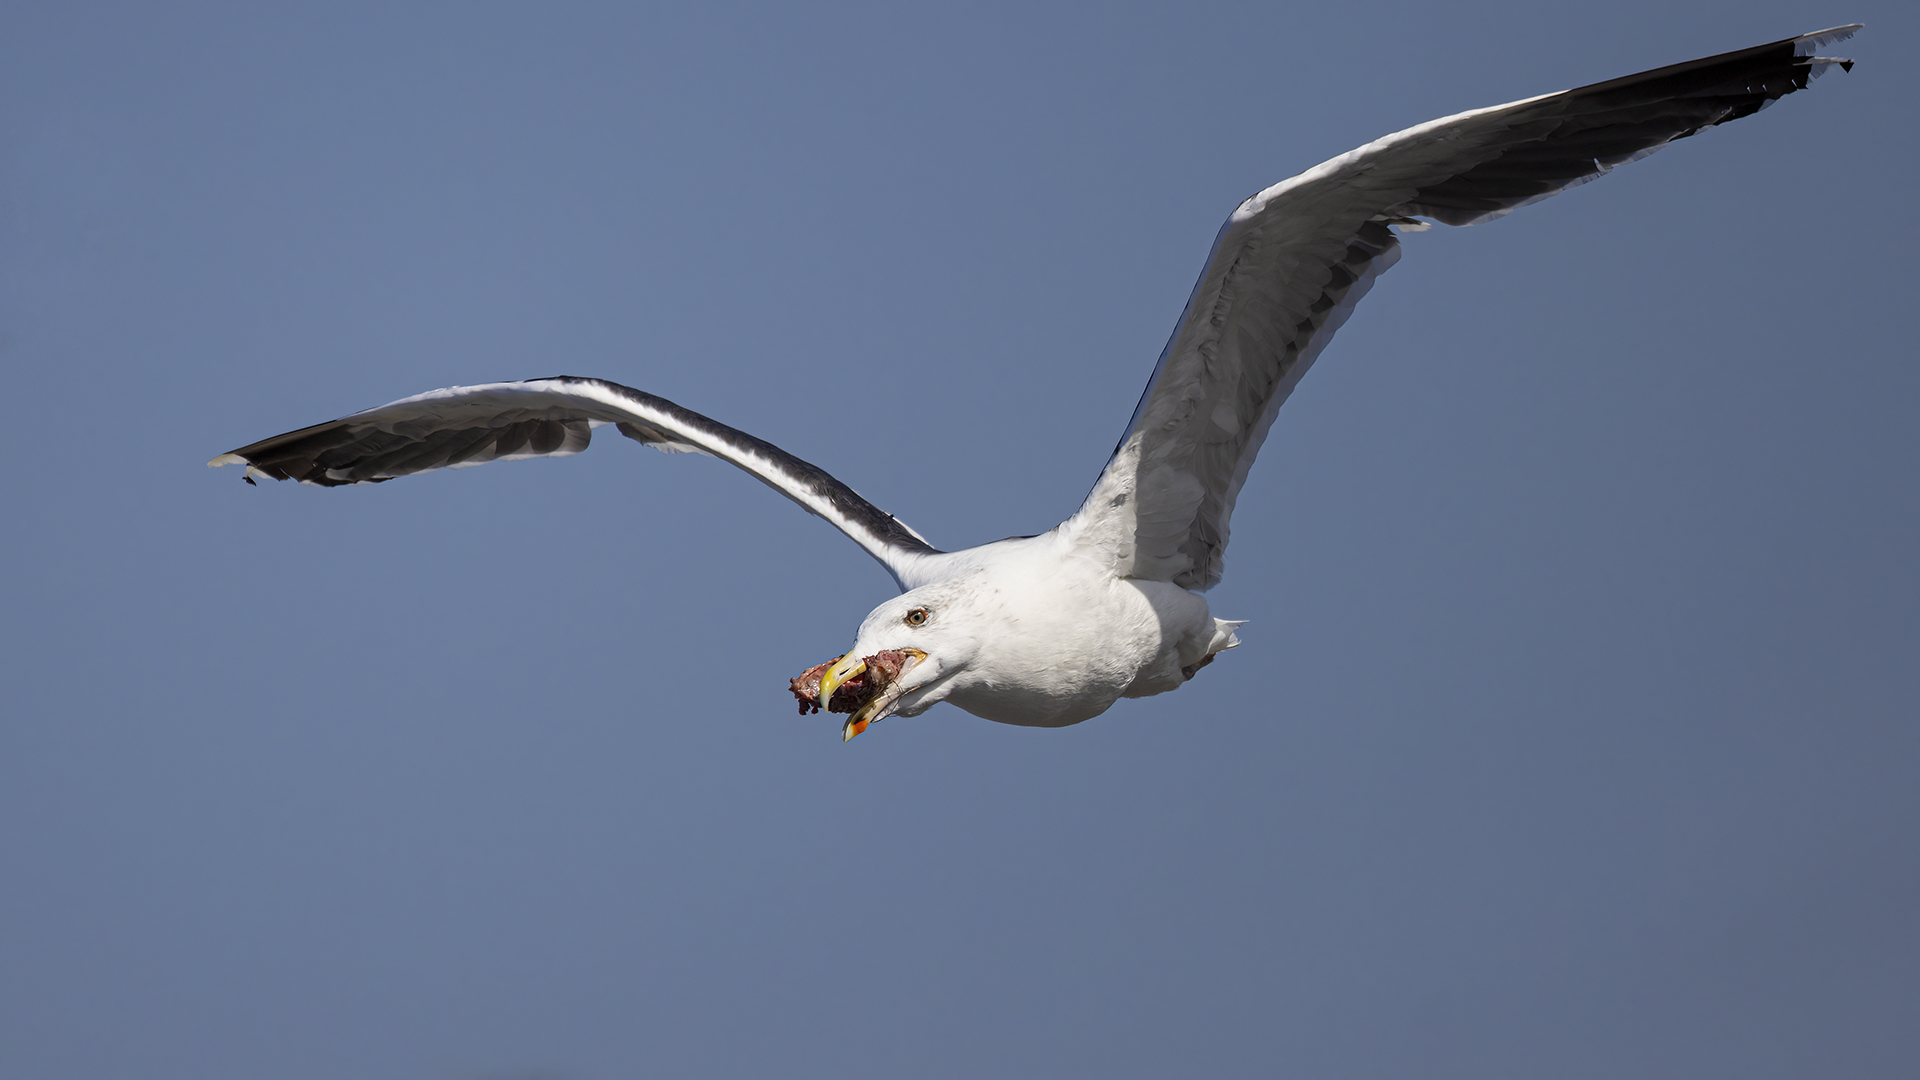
1223	635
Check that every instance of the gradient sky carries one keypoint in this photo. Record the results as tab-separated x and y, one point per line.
1575	731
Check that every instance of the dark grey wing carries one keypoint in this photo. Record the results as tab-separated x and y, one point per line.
1290	264
472	425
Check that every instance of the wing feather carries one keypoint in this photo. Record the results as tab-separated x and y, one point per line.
472	425
1292	261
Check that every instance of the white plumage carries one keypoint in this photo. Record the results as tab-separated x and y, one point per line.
1053	629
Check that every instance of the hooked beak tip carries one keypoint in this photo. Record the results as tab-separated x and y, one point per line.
843	669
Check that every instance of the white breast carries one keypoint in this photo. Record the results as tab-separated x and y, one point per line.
1069	639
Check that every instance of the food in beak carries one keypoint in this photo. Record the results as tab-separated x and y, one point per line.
866	688
873	676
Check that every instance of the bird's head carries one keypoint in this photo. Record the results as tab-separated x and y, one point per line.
904	659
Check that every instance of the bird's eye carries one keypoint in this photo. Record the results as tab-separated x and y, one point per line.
917	617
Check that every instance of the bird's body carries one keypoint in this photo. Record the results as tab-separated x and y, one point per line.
1069	637
1050	630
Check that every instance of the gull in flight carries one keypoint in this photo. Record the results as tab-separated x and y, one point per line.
1051	630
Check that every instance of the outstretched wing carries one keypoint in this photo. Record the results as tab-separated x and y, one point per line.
1291	263
472	425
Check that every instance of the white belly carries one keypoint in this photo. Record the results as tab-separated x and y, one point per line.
1075	647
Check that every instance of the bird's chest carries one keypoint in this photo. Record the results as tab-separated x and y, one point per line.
1062	652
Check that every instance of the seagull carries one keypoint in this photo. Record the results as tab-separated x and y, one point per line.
1050	630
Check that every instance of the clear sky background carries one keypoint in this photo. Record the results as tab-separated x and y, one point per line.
1575	732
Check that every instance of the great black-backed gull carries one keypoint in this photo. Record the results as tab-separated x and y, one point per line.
1052	629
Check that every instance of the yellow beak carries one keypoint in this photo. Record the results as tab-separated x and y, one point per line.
851	666
843	669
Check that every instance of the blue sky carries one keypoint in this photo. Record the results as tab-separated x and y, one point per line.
1574	733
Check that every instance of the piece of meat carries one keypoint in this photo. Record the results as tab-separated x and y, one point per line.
806	687
883	668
